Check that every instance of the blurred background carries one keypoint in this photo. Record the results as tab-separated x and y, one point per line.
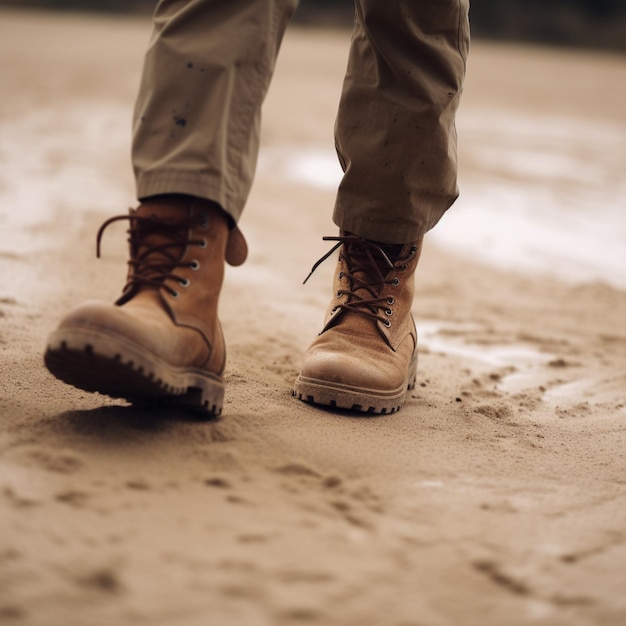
542	155
574	23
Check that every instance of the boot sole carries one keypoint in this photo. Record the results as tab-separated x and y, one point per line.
335	395
113	366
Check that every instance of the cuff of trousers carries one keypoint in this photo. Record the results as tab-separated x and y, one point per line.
203	186
382	225
375	230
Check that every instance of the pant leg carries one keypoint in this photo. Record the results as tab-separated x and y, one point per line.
197	115
395	133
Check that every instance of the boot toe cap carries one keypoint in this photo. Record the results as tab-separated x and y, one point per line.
353	371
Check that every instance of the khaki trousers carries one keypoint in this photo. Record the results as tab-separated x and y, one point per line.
208	68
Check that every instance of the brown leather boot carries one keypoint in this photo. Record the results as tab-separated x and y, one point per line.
365	358
161	342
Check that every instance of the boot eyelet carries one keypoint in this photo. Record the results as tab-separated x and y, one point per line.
185	282
391	300
175	294
413	250
395	282
203	244
204	219
194	265
338	294
403	267
388	312
387	323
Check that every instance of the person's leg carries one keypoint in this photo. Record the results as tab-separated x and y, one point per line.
395	132
197	116
396	142
194	152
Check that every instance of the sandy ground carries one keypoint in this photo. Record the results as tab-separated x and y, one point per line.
496	496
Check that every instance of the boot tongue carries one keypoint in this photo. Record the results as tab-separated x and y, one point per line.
392	250
367	268
370	264
171	210
153	241
373	262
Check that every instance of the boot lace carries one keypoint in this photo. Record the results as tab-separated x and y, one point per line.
368	270
156	248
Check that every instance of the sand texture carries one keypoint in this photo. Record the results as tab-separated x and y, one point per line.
497	496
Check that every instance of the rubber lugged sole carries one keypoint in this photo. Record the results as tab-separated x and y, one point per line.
114	366
327	393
